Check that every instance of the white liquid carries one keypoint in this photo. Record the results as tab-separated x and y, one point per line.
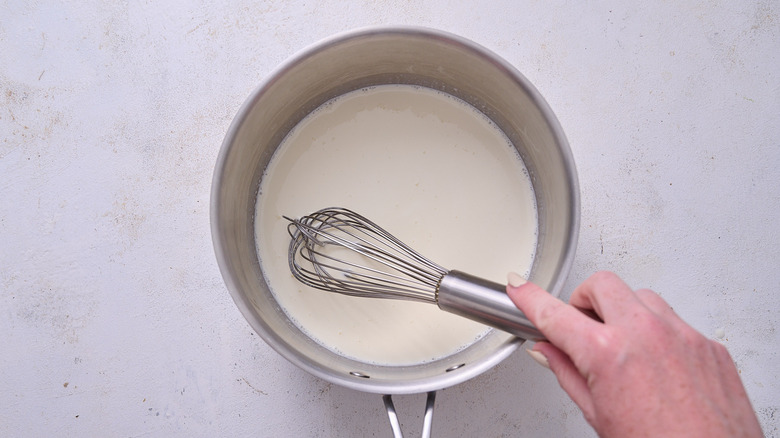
428	168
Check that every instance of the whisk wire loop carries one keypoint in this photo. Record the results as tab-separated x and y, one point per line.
317	258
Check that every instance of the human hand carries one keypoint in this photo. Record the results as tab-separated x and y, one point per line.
642	372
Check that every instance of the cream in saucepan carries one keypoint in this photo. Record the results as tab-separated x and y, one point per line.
427	167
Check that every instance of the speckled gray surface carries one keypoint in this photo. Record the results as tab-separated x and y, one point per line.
114	317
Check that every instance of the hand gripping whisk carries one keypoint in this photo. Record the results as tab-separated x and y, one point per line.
338	250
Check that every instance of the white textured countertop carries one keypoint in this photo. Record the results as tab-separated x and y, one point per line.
114	317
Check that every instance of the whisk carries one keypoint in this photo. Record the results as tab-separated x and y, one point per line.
338	250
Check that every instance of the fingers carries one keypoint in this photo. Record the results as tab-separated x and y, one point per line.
554	318
607	294
654	302
664	311
568	377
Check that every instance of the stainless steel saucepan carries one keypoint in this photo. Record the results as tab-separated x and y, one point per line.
363	58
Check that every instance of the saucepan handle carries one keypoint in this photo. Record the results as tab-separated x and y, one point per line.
427	419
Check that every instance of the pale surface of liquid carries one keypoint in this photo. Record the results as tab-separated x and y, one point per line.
428	168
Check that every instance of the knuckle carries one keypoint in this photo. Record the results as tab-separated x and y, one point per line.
651	332
720	351
604	340
649	322
602	276
652	299
547	312
694	338
607	349
646	293
719	348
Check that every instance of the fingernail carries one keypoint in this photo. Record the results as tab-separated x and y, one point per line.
539	358
515	279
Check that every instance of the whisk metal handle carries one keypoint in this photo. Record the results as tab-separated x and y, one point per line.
486	302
